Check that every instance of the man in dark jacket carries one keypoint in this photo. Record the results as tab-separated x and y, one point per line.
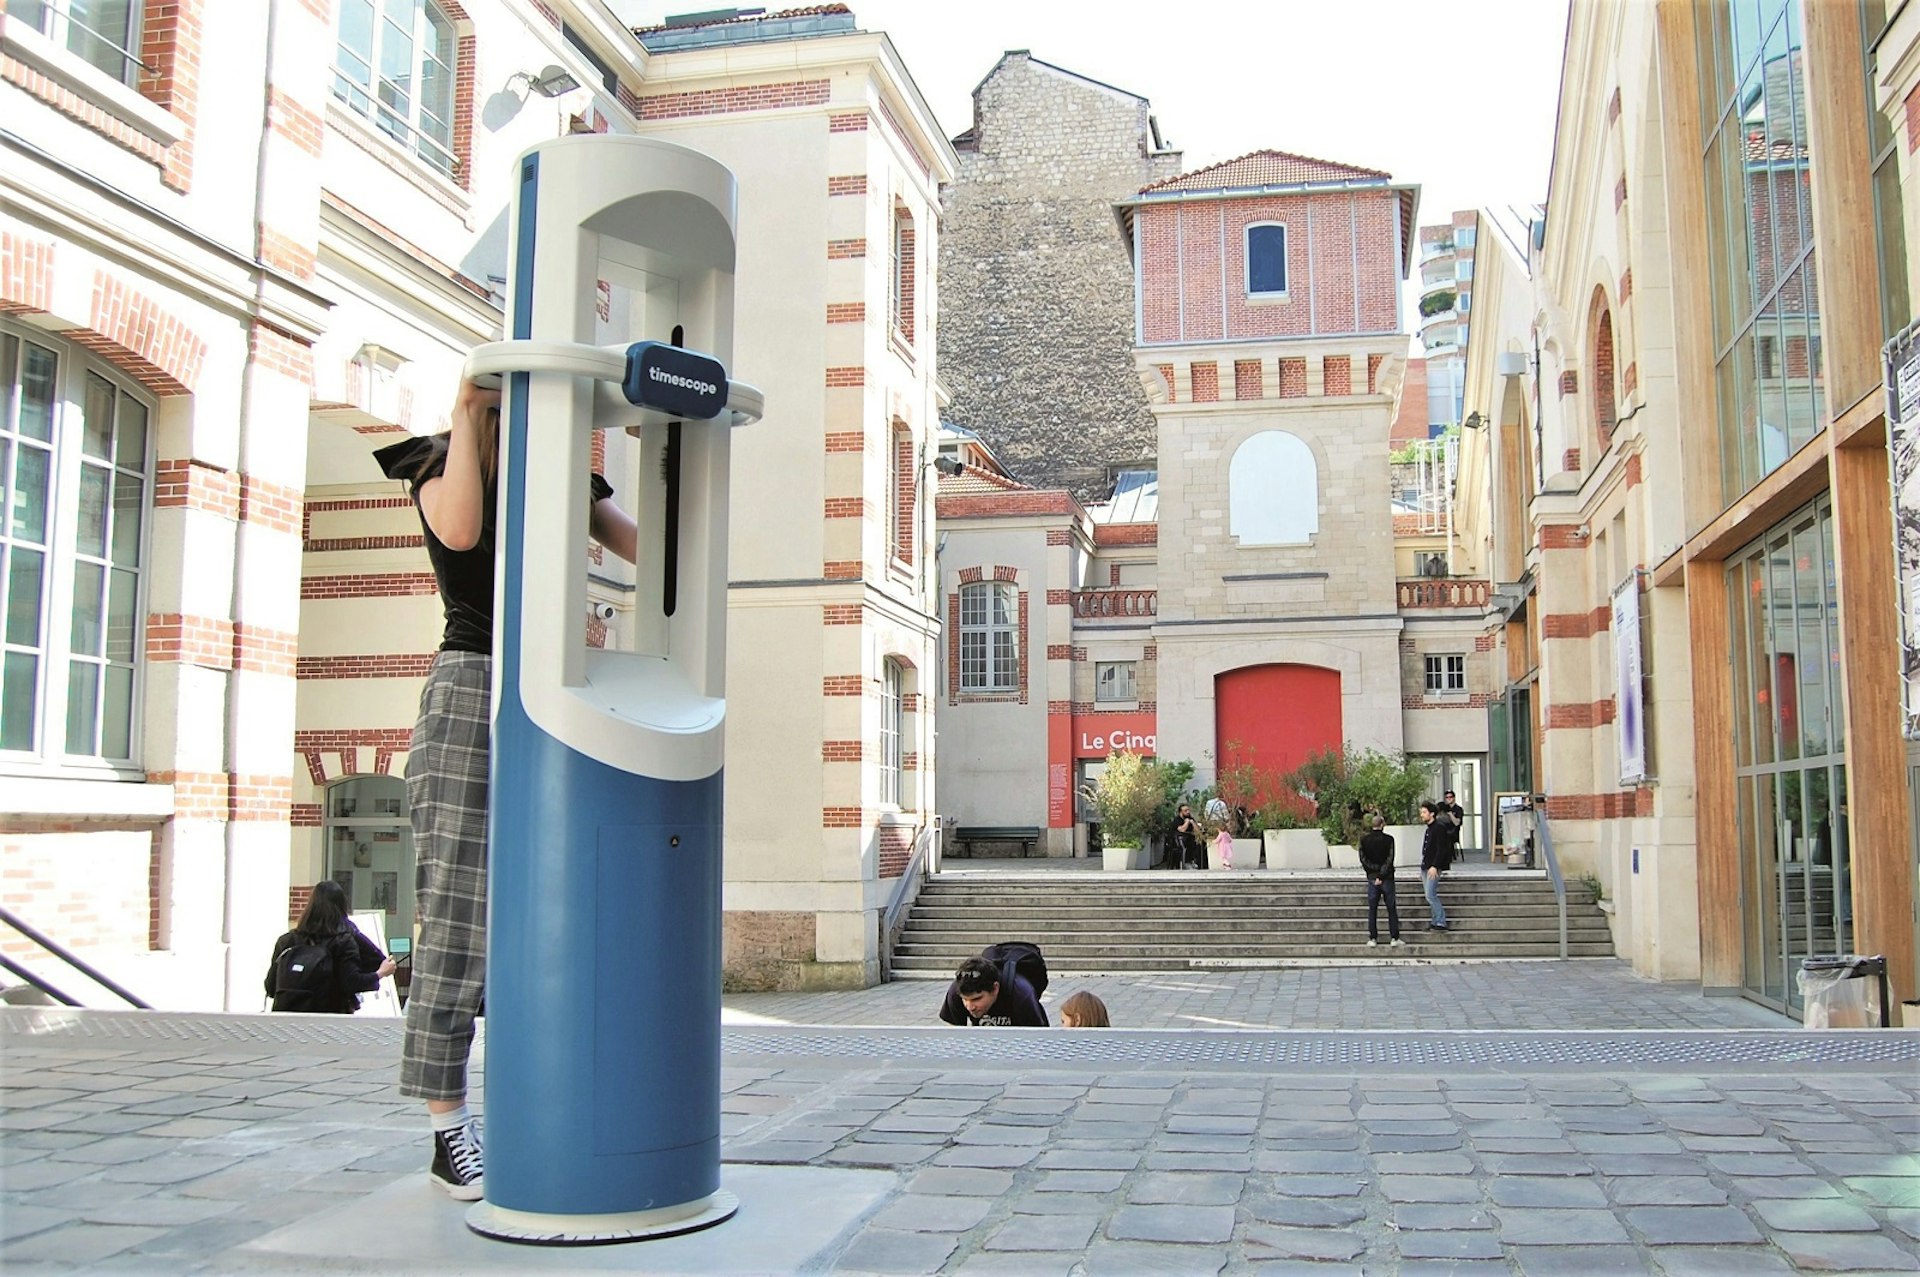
1376	858
988	991
1436	857
1456	819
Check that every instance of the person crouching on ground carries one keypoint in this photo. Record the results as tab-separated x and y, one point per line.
1376	858
1436	857
352	964
1084	1011
983	995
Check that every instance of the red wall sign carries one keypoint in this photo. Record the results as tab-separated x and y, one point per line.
1098	735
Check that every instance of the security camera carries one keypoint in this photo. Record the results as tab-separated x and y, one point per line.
603	611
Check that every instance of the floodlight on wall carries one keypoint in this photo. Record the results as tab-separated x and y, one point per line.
949	465
552	81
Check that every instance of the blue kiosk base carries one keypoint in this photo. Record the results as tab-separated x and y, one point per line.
600	1230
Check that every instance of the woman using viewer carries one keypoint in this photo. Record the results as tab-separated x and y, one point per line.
357	966
453	481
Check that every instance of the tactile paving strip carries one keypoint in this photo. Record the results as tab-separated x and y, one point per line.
1189	1048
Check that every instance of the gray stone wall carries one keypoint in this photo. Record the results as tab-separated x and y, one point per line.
1036	284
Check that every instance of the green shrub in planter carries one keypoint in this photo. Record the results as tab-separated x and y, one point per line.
1126	797
1350	784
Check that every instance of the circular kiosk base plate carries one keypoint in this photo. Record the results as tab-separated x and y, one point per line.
532	1229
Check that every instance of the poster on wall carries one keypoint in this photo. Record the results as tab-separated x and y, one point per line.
1630	723
1902	359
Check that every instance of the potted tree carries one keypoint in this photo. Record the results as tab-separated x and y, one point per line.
1293	838
1351	785
1243	787
1125	796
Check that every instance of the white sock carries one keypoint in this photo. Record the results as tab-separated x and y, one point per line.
451	1120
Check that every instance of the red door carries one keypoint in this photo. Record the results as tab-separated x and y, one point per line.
1276	714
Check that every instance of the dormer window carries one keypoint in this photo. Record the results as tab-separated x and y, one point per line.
1266	260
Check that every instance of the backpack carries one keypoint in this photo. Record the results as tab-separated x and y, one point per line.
1028	963
305	977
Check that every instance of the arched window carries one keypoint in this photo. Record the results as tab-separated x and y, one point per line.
1606	407
989	636
1266	260
1273	491
893	687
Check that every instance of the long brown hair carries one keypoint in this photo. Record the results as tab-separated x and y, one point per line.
1088	1011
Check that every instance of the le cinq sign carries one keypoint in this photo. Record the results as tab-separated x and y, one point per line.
1098	735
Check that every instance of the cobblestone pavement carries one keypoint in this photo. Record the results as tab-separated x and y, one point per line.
1586	994
187	1144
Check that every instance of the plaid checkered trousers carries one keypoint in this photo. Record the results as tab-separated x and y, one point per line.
447	792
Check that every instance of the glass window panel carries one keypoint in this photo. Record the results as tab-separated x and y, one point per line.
123	595
1888	206
91	536
1739	424
19	692
129	492
25	583
1760	655
37	375
1780	655
27	520
89	609
1830	606
356	35
1768	875
1757	220
130	435
96	417
1809	642
116	713
9	362
1842	864
1266	259
99	31
1745	32
1745	804
37	14
83	703
1737	229
1741	671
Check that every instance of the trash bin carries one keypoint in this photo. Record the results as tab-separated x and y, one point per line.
1838	995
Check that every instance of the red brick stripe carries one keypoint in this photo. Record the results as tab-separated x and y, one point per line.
382	665
368	585
732	101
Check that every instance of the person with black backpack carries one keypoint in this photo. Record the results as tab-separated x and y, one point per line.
324	964
1001	988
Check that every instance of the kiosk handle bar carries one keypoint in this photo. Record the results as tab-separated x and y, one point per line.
744	404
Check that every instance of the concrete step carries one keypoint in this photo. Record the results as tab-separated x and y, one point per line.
1172	921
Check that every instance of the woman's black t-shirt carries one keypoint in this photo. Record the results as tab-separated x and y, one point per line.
464	577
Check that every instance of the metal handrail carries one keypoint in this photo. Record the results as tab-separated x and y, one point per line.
910	878
1543	829
63	10
78	964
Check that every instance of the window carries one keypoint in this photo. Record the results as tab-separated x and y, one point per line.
1266	260
1113	681
1446	674
369	842
1273	491
73	461
102	33
892	731
1464	302
1463	236
989	637
901	506
396	67
1463	269
900	301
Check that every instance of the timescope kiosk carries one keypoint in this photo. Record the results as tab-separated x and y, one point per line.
603	905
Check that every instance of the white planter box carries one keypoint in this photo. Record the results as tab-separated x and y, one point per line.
1407	841
1246	853
1344	857
1121	857
1296	849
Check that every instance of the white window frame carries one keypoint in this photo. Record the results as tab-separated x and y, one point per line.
1246	260
1120	674
987	664
64	565
1446	674
893	731
362	95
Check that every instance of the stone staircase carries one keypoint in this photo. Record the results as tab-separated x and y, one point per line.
1187	921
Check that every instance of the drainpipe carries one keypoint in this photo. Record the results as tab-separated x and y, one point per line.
230	752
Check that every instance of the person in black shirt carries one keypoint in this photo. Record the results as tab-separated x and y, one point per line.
358	964
1376	858
452	479
1436	857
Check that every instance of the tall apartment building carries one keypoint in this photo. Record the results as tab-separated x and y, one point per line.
236	256
1446	305
1685	424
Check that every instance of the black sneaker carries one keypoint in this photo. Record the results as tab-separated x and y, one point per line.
459	1164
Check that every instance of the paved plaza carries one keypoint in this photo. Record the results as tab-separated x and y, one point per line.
1534	1118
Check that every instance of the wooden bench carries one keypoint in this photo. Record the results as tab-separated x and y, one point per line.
1025	835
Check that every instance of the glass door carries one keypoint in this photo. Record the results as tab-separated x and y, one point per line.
369	844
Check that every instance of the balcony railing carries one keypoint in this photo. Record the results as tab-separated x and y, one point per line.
1097	604
1443	592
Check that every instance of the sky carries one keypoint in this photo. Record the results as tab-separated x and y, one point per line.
1456	95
